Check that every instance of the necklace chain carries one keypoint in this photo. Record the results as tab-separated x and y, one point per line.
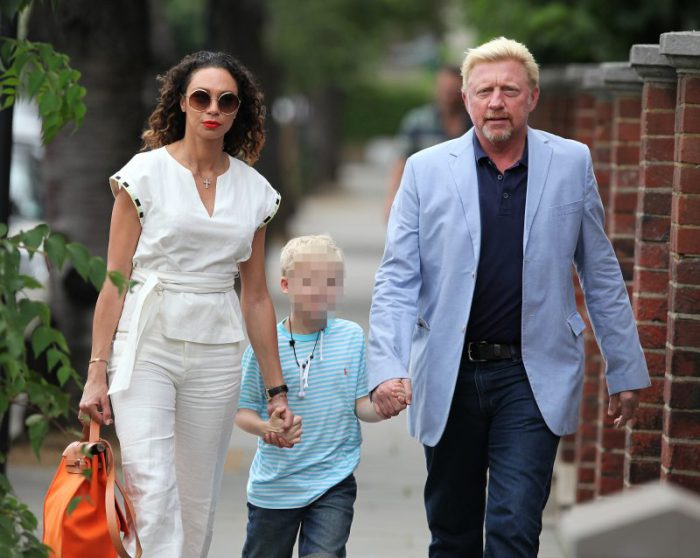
206	180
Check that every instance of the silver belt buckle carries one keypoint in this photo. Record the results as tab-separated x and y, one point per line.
469	353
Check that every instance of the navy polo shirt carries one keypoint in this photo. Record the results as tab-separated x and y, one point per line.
498	294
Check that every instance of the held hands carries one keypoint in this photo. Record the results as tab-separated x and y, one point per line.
625	403
391	397
277	436
94	403
285	427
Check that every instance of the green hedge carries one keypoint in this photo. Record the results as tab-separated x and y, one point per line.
376	109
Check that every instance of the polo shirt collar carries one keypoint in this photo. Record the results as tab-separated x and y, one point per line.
480	154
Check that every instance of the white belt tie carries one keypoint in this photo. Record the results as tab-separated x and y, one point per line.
146	307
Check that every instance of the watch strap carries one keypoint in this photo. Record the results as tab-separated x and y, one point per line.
276	390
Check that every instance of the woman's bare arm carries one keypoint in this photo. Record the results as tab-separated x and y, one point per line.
124	233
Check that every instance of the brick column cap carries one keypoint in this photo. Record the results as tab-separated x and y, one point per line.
650	64
560	77
594	79
620	76
682	49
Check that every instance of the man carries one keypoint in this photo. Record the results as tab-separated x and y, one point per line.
433	123
474	303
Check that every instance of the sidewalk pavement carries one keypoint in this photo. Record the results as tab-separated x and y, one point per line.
389	515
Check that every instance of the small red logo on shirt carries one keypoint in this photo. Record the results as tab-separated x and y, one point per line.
345	370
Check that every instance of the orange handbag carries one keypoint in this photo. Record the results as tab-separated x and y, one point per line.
82	517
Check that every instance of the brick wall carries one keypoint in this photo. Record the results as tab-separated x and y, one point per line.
625	87
680	444
650	298
644	135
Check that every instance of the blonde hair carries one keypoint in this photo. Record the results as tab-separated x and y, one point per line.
309	245
500	49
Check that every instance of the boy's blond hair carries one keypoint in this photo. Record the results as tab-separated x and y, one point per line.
500	49
310	245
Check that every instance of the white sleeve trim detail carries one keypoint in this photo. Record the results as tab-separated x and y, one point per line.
273	211
116	183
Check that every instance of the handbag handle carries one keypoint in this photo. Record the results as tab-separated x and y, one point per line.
91	434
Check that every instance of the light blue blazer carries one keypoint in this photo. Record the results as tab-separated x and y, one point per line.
425	283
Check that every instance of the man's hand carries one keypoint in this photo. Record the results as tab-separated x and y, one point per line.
391	397
625	403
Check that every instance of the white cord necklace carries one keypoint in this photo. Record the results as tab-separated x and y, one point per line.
305	366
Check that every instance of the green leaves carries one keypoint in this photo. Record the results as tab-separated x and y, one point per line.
38	427
34	238
55	246
80	258
25	325
37	71
17	526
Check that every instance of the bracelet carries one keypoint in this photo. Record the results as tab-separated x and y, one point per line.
93	360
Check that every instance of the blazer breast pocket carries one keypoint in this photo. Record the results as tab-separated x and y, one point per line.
567	209
565	220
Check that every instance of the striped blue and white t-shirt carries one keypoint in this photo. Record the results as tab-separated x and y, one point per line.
283	478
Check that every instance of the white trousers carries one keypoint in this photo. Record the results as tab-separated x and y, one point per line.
174	424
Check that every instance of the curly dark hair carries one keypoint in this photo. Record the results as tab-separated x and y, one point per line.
166	124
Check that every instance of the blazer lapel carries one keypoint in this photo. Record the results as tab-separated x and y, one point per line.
539	158
463	169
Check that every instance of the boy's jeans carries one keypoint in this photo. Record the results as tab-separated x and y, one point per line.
325	526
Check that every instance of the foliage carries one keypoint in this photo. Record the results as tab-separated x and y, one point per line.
567	31
321	42
17	526
25	325
376	108
186	20
39	72
10	8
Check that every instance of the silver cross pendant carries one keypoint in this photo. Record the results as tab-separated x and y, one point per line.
206	182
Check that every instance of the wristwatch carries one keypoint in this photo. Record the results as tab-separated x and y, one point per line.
271	392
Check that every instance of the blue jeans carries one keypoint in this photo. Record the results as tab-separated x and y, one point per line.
494	425
323	526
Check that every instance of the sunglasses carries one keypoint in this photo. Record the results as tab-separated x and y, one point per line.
200	101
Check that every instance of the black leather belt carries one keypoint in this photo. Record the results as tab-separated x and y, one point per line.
484	352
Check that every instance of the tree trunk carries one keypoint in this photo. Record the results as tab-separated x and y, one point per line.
108	42
240	32
324	134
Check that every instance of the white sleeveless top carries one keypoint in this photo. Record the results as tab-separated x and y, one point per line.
179	237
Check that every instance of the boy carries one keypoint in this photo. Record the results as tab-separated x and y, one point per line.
308	489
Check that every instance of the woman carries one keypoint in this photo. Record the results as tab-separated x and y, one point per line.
188	216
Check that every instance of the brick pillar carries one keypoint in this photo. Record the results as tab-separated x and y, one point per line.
643	443
555	107
680	444
565	109
626	88
594	117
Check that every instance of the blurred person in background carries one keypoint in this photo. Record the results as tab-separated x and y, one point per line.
474	309
441	120
189	217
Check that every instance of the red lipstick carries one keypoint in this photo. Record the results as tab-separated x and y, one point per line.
211	124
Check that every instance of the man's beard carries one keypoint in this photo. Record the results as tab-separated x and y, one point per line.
497	137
